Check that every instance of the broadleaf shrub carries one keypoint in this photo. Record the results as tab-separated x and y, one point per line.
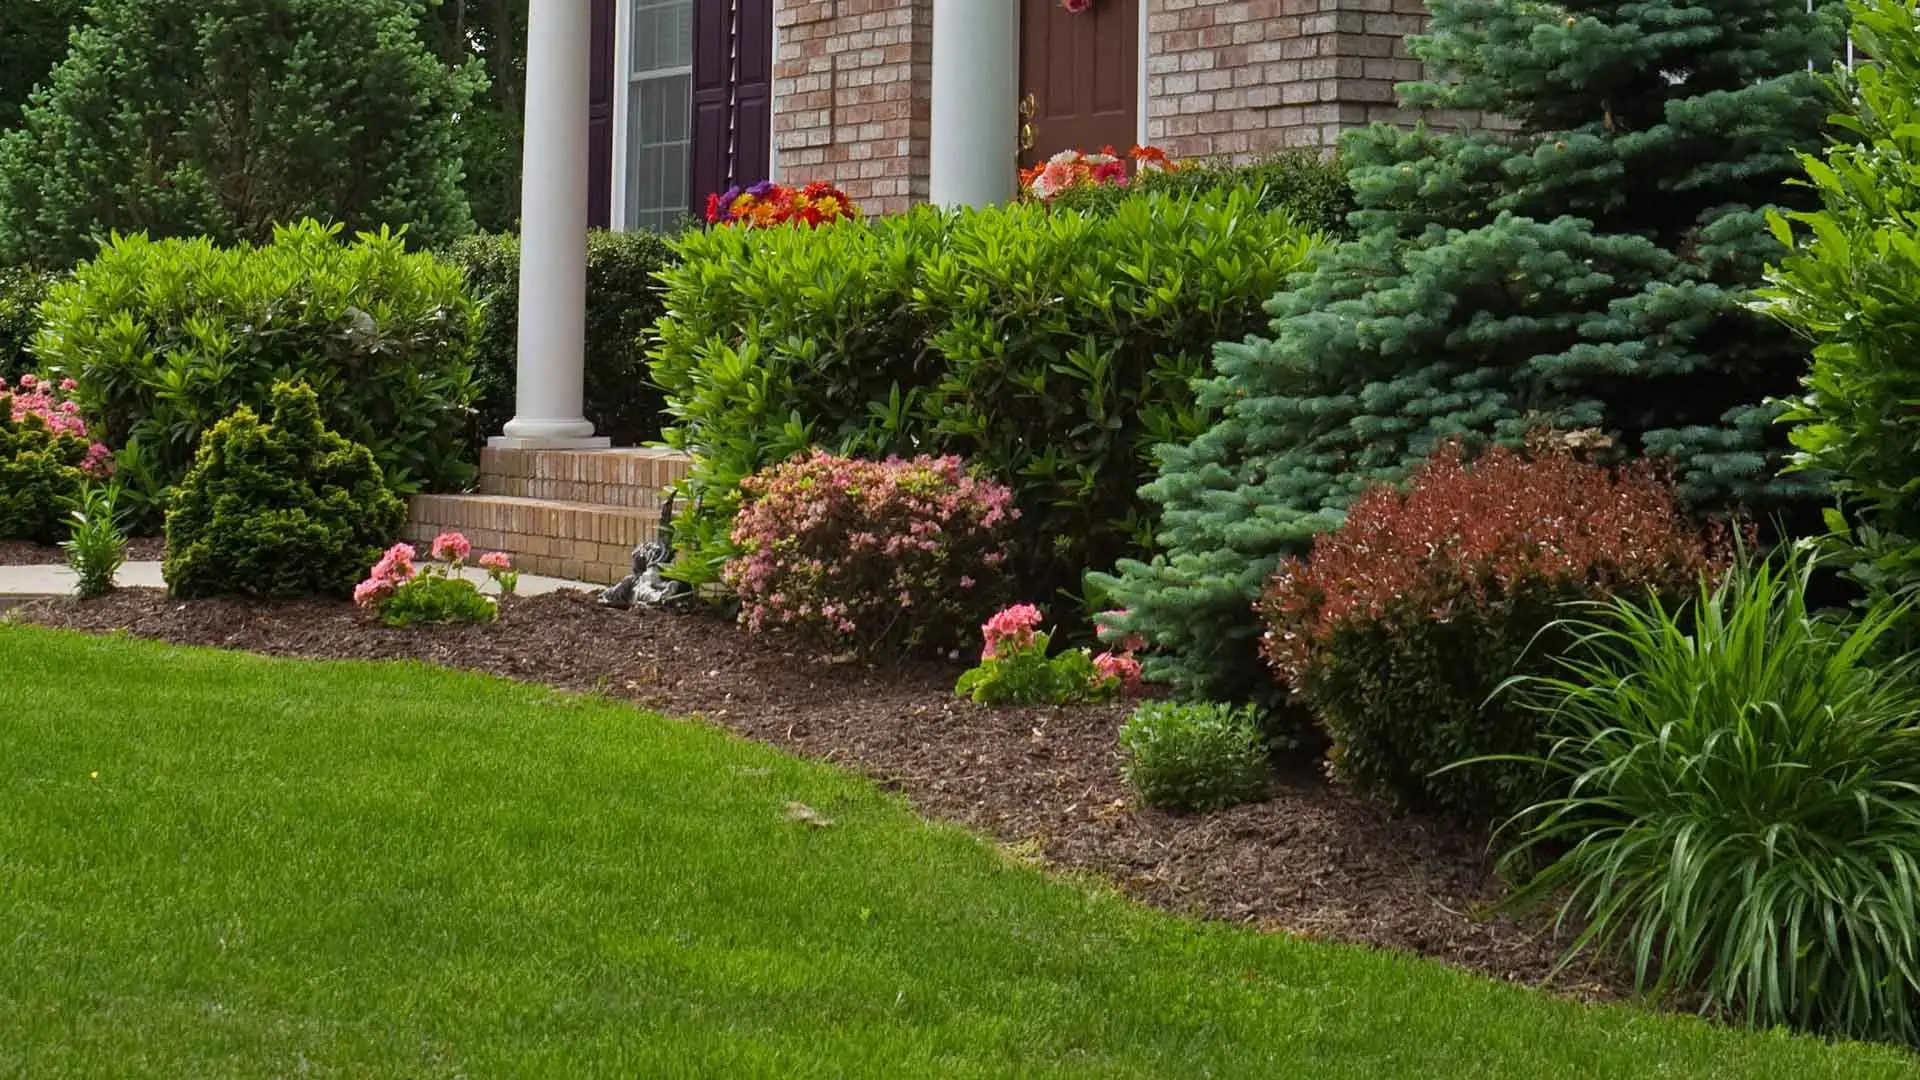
278	508
1850	282
1053	350
623	302
868	556
1193	756
168	337
46	459
1308	188
1740	807
1406	619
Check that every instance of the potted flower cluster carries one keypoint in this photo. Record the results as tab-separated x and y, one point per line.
767	203
1076	168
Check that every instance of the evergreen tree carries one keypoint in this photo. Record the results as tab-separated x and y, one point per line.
1584	264
33	37
224	117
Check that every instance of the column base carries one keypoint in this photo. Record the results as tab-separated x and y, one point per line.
549	442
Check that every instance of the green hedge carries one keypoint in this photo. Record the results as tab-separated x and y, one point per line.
1055	350
623	302
1311	189
169	337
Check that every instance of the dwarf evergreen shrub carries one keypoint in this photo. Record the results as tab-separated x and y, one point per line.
1588	267
280	508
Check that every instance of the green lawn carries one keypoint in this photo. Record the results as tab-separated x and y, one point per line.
220	865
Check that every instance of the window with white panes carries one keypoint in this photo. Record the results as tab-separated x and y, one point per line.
659	113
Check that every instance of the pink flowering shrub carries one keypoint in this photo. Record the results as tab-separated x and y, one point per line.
405	593
46	458
1015	669
869	555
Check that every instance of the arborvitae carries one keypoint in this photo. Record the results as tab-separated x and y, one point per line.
224	117
1583	263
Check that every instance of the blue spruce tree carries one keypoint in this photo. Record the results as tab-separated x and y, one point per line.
1584	263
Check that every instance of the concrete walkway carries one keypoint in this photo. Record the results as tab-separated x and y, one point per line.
20	582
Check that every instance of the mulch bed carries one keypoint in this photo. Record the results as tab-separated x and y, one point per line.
144	549
1312	859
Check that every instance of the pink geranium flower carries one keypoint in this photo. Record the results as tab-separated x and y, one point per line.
496	561
1010	631
451	547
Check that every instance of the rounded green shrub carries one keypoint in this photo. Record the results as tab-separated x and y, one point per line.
168	337
1193	756
278	509
225	118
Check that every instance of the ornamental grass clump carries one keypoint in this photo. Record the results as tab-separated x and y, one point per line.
1403	621
1741	807
405	593
870	556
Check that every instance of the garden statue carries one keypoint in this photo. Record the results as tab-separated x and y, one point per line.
648	587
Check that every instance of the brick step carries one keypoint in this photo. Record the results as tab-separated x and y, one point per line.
578	541
634	478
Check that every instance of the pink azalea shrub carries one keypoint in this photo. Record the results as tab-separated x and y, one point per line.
1015	669
405	593
867	556
46	457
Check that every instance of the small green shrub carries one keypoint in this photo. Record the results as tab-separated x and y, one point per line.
96	544
22	288
1051	350
278	509
870	556
1403	622
1015	669
46	458
1742	808
623	302
1308	188
168	337
1181	756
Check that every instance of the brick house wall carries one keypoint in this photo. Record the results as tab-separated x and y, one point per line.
853	82
853	101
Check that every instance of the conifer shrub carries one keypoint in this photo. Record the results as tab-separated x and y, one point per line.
1850	282
1588	265
1406	619
870	556
225	118
623	302
1052	350
278	508
168	337
22	288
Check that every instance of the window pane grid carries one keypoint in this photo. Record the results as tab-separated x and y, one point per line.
659	113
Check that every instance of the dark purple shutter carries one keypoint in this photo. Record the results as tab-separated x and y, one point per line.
732	95
600	118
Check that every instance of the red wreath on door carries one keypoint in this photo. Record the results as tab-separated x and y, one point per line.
1076	6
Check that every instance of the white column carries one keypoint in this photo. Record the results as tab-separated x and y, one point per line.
976	101
551	388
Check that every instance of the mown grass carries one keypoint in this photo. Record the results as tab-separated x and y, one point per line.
220	865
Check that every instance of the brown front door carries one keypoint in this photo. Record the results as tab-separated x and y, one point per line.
1079	77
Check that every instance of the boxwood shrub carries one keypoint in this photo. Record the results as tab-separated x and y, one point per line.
623	302
168	337
1052	350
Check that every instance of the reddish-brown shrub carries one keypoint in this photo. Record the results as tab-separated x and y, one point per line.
1404	621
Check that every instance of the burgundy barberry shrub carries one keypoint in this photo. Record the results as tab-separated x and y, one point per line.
1403	621
868	556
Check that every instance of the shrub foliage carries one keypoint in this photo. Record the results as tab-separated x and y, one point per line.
869	556
1588	266
1052	350
22	288
1299	183
1184	756
1742	808
223	118
623	302
167	337
1406	619
282	508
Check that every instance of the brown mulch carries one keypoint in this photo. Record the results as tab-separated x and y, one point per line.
12	553
1312	859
